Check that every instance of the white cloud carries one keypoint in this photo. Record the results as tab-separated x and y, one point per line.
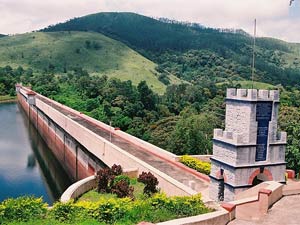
274	16
27	15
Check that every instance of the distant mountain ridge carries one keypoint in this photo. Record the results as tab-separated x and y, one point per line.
173	45
148	33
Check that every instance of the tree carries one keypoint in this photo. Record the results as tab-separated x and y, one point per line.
193	135
147	96
2	89
293	149
289	121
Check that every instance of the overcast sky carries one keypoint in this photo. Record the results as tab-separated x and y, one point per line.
275	17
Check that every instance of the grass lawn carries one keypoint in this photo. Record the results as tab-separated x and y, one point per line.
94	196
68	50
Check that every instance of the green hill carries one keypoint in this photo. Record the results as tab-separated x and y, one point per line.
64	51
183	49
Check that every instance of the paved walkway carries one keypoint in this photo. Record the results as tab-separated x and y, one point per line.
284	212
166	167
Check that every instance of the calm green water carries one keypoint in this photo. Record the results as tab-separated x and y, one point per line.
27	166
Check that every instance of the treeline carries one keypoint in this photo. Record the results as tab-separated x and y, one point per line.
198	66
9	77
182	110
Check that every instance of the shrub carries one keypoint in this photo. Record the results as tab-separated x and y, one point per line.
2	212
122	189
156	208
63	211
122	178
106	210
22	209
116	170
112	210
196	164
103	179
111	181
150	182
180	205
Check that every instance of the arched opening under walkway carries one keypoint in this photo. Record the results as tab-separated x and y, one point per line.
260	175
259	179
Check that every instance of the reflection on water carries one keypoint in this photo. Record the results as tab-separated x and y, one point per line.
27	166
31	162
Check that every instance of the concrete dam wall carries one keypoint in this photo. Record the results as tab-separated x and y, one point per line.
76	160
83	145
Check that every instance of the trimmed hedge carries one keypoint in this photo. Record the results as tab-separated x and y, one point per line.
196	164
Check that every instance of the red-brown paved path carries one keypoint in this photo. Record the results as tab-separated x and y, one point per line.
284	212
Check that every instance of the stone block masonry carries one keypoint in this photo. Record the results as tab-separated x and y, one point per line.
250	149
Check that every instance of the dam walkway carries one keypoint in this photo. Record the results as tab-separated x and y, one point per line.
171	168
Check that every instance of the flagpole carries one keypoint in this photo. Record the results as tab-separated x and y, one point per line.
253	55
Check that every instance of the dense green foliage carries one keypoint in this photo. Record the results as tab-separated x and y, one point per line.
200	166
28	210
189	130
290	122
22	209
9	77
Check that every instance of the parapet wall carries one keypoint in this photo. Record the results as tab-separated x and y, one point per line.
72	156
238	139
252	94
255	206
228	136
108	152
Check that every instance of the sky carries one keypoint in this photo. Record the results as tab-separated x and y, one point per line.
275	18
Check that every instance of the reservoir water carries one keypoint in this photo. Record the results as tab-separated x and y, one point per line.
27	166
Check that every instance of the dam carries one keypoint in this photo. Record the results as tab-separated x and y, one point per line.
83	145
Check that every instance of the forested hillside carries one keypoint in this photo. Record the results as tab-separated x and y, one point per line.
193	52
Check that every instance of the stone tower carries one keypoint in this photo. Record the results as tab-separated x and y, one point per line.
250	149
